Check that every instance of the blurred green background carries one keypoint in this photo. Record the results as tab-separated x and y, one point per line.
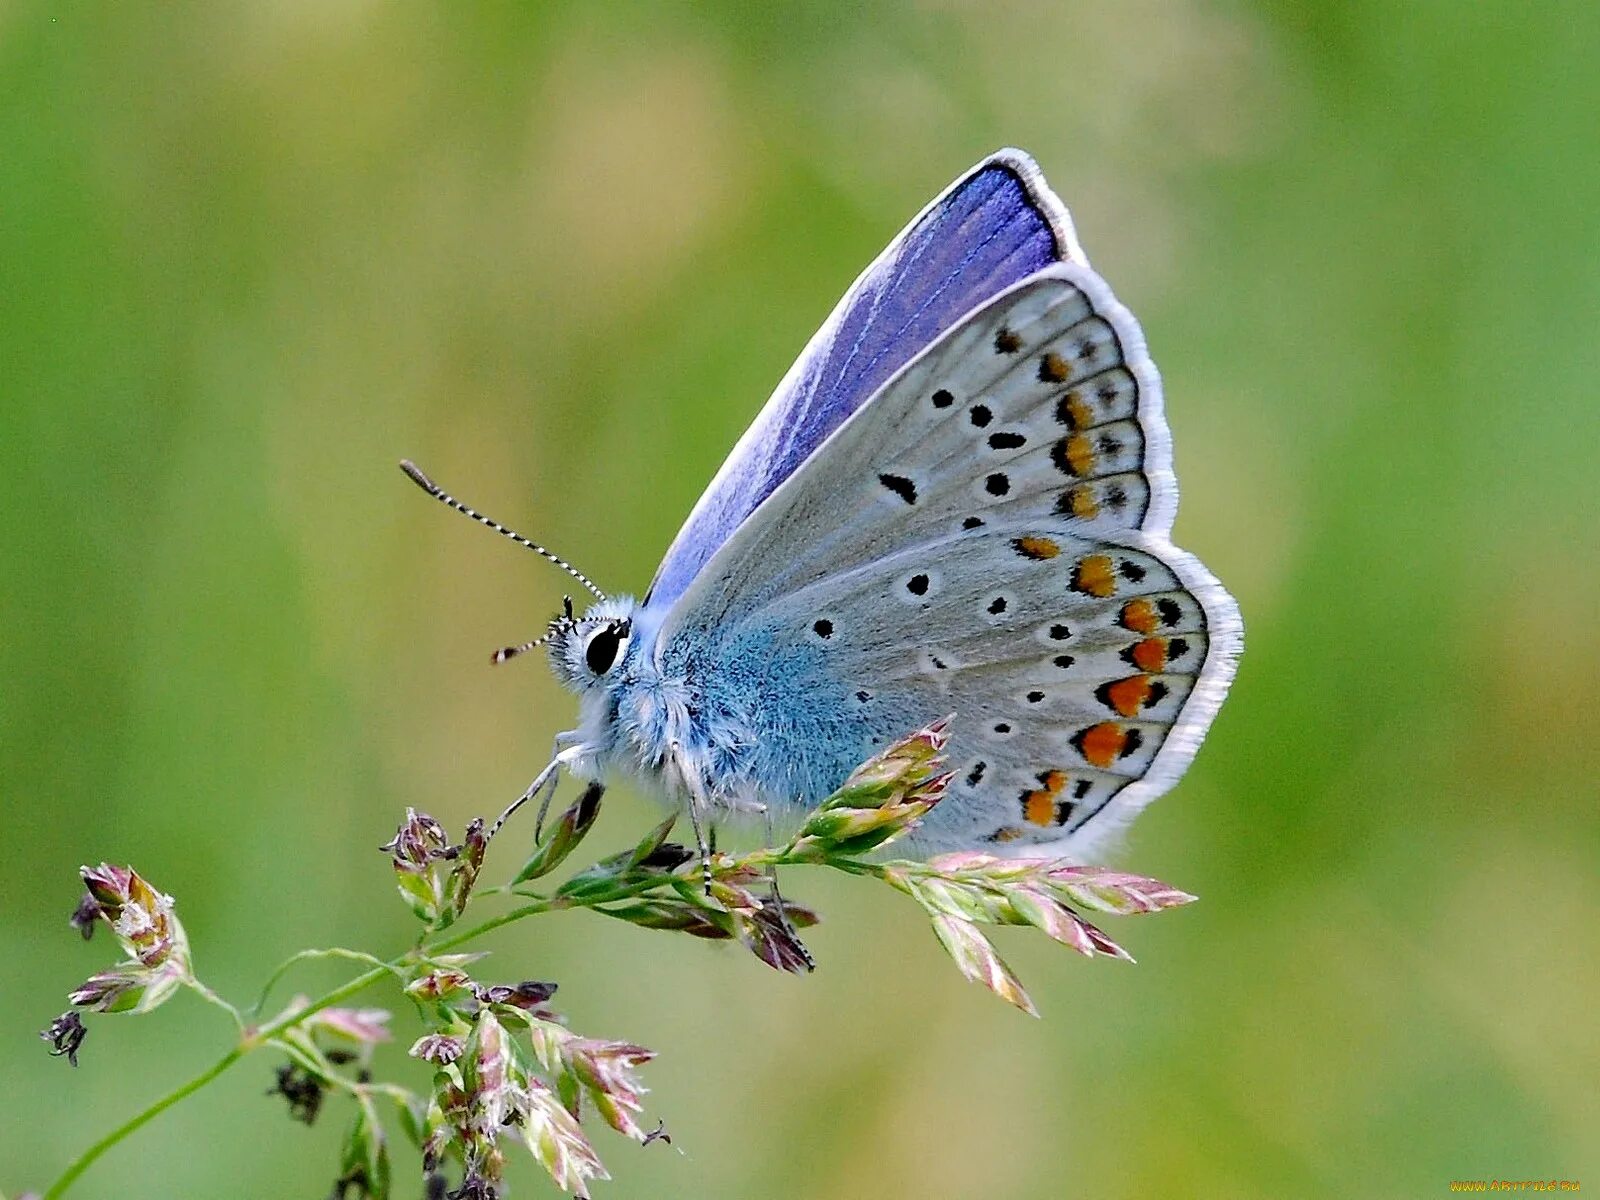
252	254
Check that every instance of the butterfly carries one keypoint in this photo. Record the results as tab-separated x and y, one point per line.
957	502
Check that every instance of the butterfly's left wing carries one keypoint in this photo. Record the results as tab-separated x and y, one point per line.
997	224
987	537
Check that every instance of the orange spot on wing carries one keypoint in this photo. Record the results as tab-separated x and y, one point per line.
1080	454
1129	695
1101	744
1039	808
1054	369
1093	576
1139	616
1036	547
1072	412
1081	503
1150	654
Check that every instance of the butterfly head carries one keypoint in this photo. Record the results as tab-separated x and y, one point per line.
588	651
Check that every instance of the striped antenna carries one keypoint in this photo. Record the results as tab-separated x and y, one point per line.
567	620
507	653
444	497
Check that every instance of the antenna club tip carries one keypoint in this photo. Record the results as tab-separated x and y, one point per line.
500	656
416	474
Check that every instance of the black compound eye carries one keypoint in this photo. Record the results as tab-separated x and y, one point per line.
604	646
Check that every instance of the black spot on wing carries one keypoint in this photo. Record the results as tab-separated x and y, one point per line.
900	486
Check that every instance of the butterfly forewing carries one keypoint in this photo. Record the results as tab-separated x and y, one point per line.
996	225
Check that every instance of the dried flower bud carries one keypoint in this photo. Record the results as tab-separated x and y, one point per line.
979	961
86	916
1113	891
469	861
350	1033
438	1130
65	1034
301	1089
442	984
557	1142
772	939
474	1187
127	988
977	886
527	995
1062	924
568	831
474	1096
148	931
607	1072
667	913
142	918
435	878
884	798
418	843
652	843
618	870
668	856
894	771
440	1048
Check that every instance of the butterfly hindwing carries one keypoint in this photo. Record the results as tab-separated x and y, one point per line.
1067	661
987	537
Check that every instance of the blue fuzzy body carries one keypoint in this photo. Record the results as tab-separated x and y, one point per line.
748	723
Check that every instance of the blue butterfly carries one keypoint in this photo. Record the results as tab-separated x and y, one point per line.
958	501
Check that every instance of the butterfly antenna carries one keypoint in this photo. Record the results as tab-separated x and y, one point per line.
567	621
444	497
506	653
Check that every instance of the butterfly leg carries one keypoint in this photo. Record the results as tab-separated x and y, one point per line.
698	808
702	846
775	898
544	782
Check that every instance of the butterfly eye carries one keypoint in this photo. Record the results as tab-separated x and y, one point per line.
605	645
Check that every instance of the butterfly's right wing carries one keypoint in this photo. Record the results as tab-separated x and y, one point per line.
988	536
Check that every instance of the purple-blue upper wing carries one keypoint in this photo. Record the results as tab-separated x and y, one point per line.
996	225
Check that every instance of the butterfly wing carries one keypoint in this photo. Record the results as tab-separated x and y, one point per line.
987	536
994	226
